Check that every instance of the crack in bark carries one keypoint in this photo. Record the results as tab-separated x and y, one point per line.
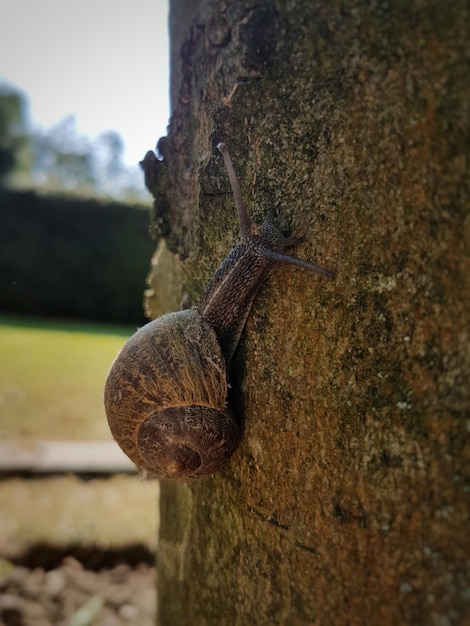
273	521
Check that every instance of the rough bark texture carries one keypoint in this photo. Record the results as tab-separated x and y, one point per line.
347	501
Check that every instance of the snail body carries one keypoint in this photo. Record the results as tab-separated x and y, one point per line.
166	392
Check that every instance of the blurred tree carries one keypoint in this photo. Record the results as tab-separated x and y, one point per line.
13	134
63	158
60	158
111	147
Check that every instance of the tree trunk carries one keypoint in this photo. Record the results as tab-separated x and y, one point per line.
346	502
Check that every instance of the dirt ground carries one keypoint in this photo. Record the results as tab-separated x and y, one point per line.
77	552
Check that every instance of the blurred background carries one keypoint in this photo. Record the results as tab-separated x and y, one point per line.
84	93
91	86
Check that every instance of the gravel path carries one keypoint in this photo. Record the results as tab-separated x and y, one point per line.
77	553
70	595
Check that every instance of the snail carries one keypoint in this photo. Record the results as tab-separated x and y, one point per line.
166	392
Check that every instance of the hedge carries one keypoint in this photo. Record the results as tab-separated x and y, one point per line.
73	258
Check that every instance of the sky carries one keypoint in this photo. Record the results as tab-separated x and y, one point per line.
104	61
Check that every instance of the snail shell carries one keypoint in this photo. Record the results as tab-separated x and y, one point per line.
172	430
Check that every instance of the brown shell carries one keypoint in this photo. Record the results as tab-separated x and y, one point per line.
174	361
187	441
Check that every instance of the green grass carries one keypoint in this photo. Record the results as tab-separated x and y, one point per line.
52	377
51	387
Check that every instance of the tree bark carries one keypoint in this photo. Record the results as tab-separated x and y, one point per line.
347	501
